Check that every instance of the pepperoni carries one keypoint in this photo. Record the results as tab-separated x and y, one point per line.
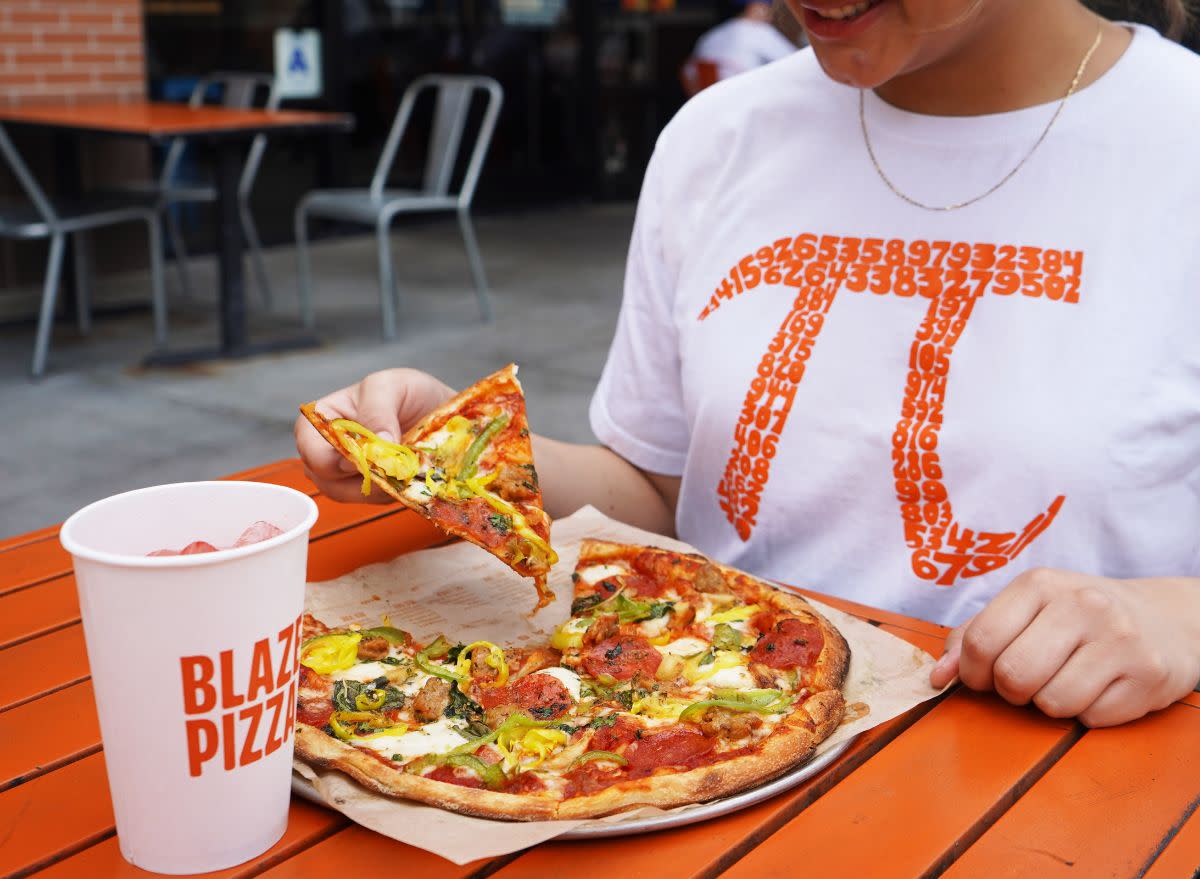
622	658
450	776
473	516
790	644
611	738
654	565
677	746
543	696
644	586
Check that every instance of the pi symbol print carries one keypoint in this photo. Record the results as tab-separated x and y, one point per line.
953	276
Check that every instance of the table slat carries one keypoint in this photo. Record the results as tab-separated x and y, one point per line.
29	613
24	563
307	825
1181	857
46	733
34	668
1103	809
60	813
357	845
908	808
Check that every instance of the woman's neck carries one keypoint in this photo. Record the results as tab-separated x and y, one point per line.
1019	53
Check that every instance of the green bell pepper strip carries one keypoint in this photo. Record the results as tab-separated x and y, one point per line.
491	774
389	633
470	461
439	671
589	756
759	701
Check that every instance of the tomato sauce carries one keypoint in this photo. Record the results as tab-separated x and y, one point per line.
790	644
450	776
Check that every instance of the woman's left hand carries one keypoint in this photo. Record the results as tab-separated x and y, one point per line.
1105	651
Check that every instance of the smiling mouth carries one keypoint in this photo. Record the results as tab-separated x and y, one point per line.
844	13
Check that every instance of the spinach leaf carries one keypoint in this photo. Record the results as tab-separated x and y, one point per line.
602	721
462	706
579	605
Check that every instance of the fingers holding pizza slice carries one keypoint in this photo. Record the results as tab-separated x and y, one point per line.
467	466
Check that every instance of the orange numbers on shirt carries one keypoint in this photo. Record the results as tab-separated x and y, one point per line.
953	276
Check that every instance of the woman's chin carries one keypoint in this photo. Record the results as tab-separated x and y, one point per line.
857	68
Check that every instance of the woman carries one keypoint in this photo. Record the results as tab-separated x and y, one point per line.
910	318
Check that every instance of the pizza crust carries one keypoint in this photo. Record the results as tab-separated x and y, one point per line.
787	747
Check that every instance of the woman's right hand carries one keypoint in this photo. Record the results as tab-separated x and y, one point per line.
387	402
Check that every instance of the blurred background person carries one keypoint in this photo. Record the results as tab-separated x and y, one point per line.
747	40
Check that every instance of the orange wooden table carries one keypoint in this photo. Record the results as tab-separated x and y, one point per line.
965	786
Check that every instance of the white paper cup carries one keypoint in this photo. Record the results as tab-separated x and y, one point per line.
194	662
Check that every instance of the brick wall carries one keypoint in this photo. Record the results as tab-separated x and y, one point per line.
71	51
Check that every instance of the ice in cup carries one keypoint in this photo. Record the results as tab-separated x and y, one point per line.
193	660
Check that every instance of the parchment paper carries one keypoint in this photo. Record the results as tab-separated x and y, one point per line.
467	594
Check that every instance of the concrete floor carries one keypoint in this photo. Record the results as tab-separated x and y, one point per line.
98	424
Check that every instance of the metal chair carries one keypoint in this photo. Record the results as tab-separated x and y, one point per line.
379	205
241	91
44	218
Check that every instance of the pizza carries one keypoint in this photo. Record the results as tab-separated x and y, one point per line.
675	680
467	466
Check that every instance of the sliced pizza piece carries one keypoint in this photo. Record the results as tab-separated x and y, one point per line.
467	466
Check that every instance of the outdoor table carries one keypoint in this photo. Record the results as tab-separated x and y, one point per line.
228	133
963	786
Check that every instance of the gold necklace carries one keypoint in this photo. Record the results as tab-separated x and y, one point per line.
862	118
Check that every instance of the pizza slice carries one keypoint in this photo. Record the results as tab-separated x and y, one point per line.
467	466
675	680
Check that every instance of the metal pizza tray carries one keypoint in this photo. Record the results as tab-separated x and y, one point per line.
678	818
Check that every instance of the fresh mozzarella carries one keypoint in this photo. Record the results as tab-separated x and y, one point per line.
683	647
564	676
433	738
595	573
414	683
737	677
655	628
363	672
418	491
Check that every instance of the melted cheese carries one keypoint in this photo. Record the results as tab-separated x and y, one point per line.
737	677
655	628
363	672
683	647
434	738
595	573
566	677
418	491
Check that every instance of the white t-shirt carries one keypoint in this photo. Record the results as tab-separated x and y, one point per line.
837	428
742	44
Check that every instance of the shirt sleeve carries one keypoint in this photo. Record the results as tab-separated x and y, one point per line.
638	408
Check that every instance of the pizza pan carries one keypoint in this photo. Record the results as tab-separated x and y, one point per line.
678	818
